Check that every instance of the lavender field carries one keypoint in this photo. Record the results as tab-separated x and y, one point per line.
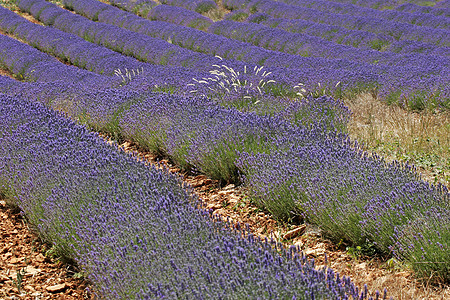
244	92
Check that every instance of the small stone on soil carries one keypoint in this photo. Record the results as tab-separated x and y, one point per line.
56	288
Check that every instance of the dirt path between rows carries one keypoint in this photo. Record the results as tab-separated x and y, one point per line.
27	270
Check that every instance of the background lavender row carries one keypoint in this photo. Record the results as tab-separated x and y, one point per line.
200	6
350	81
90	56
179	16
439	4
140	7
399	31
413	8
418	18
394	85
146	48
349	37
30	64
390	4
120	219
306	45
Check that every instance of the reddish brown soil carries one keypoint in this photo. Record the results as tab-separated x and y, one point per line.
26	269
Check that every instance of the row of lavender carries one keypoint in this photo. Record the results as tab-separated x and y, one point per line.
438	8
120	39
150	77
388	77
355	38
350	37
419	19
398	75
442	8
194	39
400	31
119	219
306	45
356	198
105	111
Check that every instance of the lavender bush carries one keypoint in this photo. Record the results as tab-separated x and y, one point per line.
350	81
397	30
30	64
197	40
417	18
200	6
441	4
388	4
140	7
179	16
423	242
354	38
369	202
119	219
414	8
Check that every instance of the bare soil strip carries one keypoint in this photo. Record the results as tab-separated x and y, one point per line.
27	268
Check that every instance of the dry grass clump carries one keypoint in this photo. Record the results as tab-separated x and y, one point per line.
217	14
422	138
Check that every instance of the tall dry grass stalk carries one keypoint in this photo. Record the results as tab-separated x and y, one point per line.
422	138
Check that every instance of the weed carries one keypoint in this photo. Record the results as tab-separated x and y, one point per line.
226	83
128	75
421	138
19	279
366	249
